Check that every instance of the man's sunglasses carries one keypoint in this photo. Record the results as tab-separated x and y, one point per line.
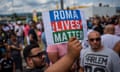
39	54
95	39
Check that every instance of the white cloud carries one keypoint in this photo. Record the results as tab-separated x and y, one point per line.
18	2
87	4
36	1
6	6
41	1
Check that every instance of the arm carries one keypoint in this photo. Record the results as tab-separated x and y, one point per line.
81	69
15	47
30	36
62	65
65	63
117	48
53	56
115	62
82	60
14	67
0	67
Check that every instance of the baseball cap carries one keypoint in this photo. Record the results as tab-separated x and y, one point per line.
19	22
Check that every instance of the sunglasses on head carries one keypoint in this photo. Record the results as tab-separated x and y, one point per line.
38	55
95	39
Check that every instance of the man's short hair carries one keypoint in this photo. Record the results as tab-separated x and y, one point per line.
1	40
27	50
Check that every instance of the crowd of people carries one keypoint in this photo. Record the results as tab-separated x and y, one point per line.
100	52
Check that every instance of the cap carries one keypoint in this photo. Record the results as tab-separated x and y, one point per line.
19	22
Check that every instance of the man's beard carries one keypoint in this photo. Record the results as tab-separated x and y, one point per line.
38	66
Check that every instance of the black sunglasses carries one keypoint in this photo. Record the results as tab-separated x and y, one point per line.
96	39
38	55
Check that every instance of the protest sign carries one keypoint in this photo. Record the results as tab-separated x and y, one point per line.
60	25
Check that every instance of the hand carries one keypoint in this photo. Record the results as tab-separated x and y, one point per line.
13	46
74	47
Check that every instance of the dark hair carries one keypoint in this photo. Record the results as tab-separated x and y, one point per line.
12	34
27	50
1	40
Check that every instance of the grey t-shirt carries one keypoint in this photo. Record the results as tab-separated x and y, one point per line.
105	60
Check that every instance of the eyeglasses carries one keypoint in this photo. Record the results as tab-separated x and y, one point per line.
38	55
96	39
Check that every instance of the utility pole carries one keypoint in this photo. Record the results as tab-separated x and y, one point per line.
13	12
62	4
12	6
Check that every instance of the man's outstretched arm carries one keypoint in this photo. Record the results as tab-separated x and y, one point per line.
65	63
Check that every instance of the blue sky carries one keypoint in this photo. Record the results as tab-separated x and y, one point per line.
9	6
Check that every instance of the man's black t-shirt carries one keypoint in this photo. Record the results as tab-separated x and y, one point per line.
2	51
6	65
40	69
33	33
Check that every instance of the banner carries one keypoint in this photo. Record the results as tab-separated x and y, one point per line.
60	25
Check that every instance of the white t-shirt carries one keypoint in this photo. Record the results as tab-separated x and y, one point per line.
105	60
6	28
19	30
39	26
109	40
